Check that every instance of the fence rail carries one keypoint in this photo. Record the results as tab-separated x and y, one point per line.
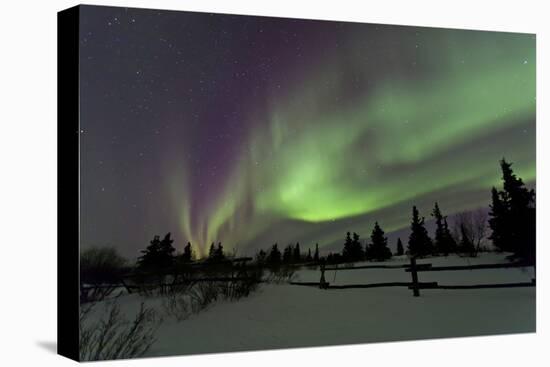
421	267
415	285
376	267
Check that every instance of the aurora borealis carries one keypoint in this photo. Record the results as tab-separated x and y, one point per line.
256	130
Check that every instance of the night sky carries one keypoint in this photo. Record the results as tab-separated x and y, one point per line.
256	130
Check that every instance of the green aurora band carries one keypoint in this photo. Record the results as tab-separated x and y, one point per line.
431	125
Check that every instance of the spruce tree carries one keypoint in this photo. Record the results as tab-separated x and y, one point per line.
513	216
159	255
522	213
218	253
297	256
274	257
261	257
420	244
356	248
166	247
287	254
347	251
450	243
444	242
439	236
316	253
378	248
150	256
400	250
187	253
353	251
212	251
308	257
498	222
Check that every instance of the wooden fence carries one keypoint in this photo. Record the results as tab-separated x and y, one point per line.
415	285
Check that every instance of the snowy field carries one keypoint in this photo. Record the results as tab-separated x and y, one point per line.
284	316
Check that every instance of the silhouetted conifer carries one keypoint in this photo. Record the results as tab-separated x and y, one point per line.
218	253
274	257
159	255
420	244
309	258
400	250
353	250
287	254
316	253
444	242
498	222
512	216
261	257
346	252
187	253
297	256
378	248
357	249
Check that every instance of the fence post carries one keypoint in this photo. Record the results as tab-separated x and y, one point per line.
414	275
322	281
125	285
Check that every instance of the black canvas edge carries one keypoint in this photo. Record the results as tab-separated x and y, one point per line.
68	191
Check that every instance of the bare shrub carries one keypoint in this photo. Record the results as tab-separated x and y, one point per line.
183	301
177	302
282	274
113	336
100	265
101	269
470	231
238	289
203	294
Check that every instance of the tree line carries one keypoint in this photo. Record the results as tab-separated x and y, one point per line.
511	223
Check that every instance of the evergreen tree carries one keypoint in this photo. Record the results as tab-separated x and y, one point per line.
308	257
420	244
450	243
357	250
522	213
439	235
212	251
378	248
444	242
150	255
287	254
353	250
218	253
297	256
261	257
159	255
166	247
316	253
347	251
498	222
187	253
513	216
400	250
274	257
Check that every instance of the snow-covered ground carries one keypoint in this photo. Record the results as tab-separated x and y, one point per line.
284	316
